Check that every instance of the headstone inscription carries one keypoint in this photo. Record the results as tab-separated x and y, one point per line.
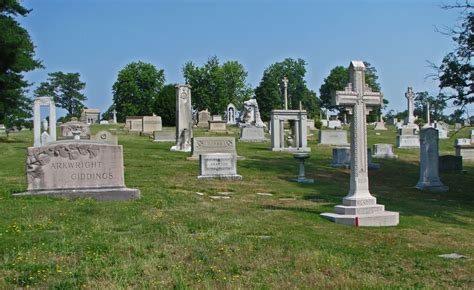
77	168
203	145
429	158
359	207
218	165
333	137
184	119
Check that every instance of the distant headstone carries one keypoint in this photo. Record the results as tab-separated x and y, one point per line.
105	137
462	142
429	159
467	152
333	137
252	134
450	163
457	126
151	124
472	136
216	117
334	124
406	138
359	207
442	134
3	130
392	121
380	126
341	157
218	165
410	95
203	119
203	145
184	119
383	151
310	123
230	114
217	126
104	122
164	136
51	135
77	169
134	123
90	116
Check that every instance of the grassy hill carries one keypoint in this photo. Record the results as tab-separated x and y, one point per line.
175	237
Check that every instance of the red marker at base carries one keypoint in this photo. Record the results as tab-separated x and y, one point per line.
357	221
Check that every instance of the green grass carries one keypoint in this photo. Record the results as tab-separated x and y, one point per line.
175	238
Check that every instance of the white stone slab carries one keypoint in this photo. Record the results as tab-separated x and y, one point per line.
218	165
333	137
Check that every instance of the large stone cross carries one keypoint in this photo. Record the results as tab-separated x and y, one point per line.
358	99
285	85
410	95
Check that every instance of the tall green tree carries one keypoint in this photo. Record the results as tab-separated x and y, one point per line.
136	89
437	106
456	72
16	57
214	86
66	89
165	105
270	91
338	79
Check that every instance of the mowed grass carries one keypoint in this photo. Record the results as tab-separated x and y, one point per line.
175	238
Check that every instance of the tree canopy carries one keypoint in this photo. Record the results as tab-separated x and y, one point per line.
136	89
66	89
338	79
270	91
214	86
456	72
165	105
16	57
437	106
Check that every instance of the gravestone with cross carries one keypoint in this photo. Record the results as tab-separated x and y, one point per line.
359	207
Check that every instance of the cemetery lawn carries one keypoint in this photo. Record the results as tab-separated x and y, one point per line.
176	238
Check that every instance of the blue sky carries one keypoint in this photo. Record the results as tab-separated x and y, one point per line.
98	38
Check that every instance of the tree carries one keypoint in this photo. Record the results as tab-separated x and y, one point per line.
456	72
339	78
214	86
270	91
136	89
16	57
456	116
437	106
66	89
165	105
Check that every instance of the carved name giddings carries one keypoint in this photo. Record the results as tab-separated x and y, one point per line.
40	156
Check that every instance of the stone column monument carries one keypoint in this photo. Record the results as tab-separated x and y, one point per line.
410	95
359	207
114	112
285	85
184	119
38	103
429	170
428	121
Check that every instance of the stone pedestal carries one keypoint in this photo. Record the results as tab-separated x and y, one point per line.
467	152
252	134
429	158
408	141
302	156
217	126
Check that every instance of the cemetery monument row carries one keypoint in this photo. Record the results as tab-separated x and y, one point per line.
359	207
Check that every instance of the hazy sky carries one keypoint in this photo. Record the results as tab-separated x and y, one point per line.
98	38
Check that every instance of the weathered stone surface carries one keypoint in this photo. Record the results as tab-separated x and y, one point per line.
341	157
380	126
105	137
134	123
203	145
230	114
334	124
184	119
164	136
467	152
68	127
408	141
252	134
203	119
151	124
429	158
299	130
77	169
333	137
216	118
383	151
358	99
250	115
217	126
218	165
450	163
462	142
